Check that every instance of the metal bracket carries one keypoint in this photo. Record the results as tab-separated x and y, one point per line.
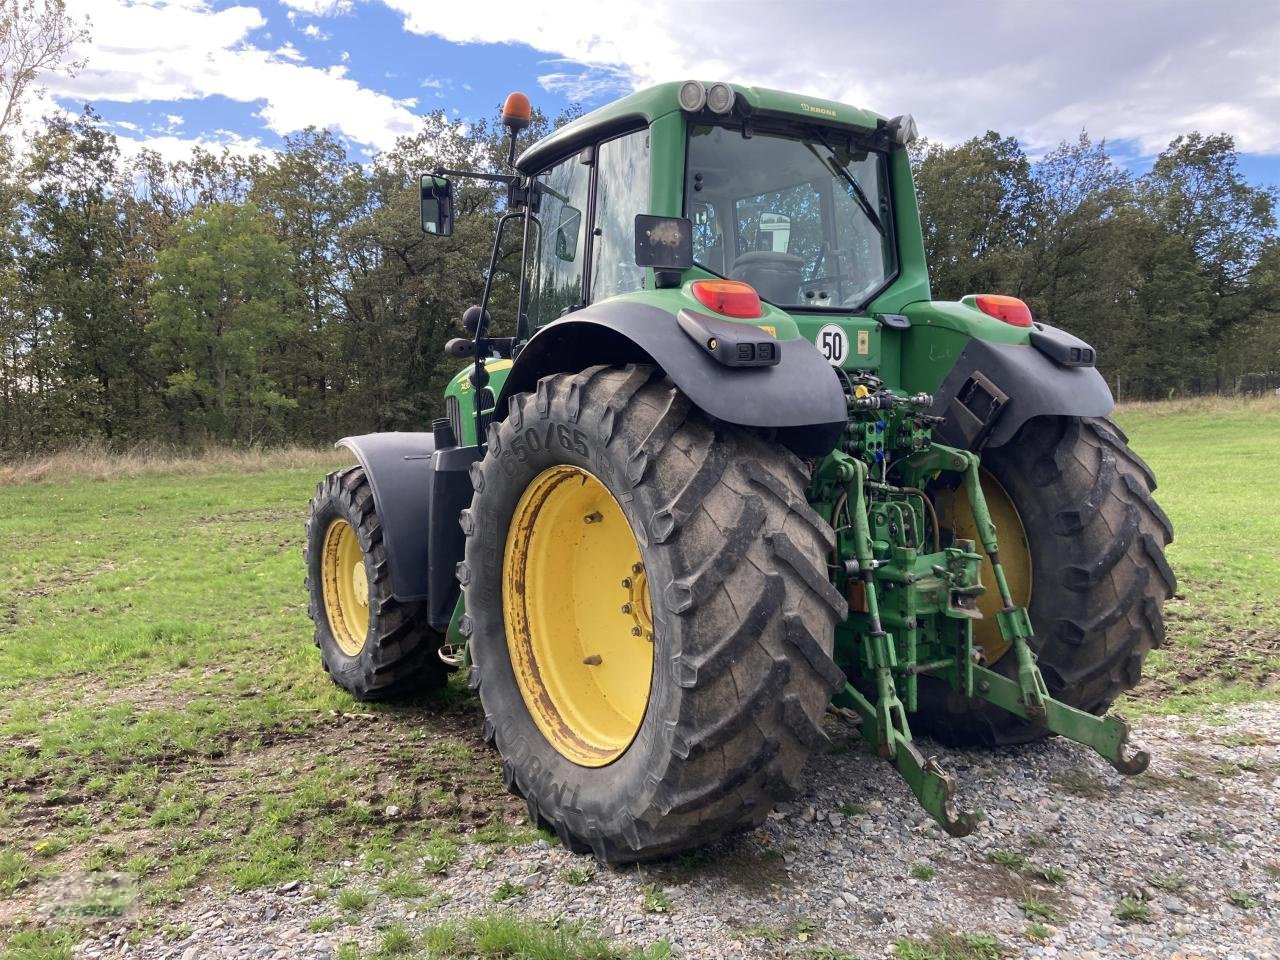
1108	735
934	788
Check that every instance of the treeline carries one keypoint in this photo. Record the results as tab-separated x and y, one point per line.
1173	275
293	298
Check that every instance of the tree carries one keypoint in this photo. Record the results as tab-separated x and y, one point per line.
1077	271
975	209
36	36
225	307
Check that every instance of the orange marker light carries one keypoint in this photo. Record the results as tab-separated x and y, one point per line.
732	298
516	111
1009	309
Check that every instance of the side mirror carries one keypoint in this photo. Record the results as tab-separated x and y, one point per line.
664	243
437	206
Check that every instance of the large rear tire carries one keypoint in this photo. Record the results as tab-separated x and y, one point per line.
372	645
738	671
1095	541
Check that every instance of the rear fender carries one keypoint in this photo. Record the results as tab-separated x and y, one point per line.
800	396
418	492
994	388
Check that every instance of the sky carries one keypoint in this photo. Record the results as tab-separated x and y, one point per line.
169	74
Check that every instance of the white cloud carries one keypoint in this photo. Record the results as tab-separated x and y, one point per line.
185	50
320	8
173	148
312	32
1042	71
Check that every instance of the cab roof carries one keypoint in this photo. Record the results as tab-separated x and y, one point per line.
645	106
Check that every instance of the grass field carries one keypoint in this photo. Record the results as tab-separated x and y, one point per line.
164	721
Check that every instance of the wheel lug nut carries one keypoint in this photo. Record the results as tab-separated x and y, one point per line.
626	583
637	568
636	631
592	517
626	608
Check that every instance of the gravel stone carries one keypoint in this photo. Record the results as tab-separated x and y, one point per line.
812	877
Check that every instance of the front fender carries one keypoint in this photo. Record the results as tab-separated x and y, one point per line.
418	492
800	396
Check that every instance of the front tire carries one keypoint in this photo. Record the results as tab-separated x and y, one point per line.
1095	538
372	645
738	671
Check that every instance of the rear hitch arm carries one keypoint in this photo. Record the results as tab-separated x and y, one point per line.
1108	735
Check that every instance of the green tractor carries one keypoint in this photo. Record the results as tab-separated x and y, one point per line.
736	469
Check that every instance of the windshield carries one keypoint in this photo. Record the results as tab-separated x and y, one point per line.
804	220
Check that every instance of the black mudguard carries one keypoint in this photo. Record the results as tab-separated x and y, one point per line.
418	492
994	388
800	396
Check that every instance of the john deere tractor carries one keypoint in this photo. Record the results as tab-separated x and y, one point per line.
736	469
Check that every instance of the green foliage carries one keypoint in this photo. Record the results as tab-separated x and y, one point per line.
1039	910
1007	858
947	945
352	900
923	871
1133	910
653	899
506	890
506	937
1242	899
224	303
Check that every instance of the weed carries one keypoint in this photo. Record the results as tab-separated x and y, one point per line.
653	899
1039	910
322	924
396	942
946	945
49	847
1038	932
1242	899
403	886
853	809
1171	882
577	876
352	901
1007	858
506	937
1133	910
439	854
506	890
41	943
923	871
1051	874
15	872
499	833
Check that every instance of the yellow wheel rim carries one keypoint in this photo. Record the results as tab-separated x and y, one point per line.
579	623
345	587
1015	557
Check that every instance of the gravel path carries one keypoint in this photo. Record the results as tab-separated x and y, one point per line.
1190	851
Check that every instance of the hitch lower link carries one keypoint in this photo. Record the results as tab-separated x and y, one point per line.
884	723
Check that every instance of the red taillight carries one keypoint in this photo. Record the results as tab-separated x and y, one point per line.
732	298
1009	309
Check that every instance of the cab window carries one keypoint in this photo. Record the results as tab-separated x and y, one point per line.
622	191
558	240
